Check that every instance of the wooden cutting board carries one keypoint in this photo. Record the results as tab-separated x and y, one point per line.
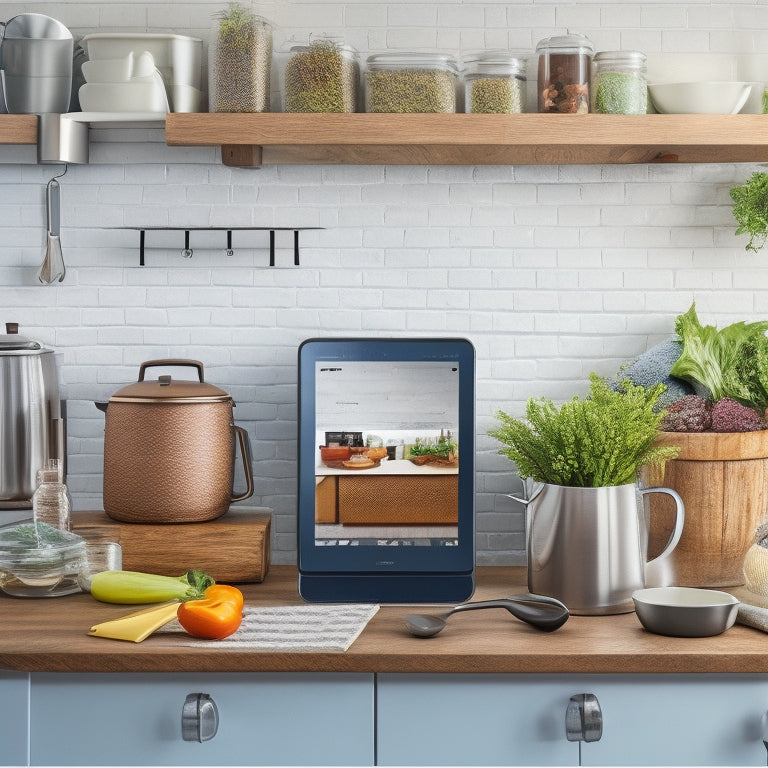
231	548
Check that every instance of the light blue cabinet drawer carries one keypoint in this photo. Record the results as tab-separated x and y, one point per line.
679	720
520	720
473	720
264	719
14	723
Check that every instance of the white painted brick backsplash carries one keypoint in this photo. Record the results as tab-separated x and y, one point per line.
552	272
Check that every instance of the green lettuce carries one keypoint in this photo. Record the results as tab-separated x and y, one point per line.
729	362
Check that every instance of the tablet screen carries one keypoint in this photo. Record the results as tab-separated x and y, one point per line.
386	457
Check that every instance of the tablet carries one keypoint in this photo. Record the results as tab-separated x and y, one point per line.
386	470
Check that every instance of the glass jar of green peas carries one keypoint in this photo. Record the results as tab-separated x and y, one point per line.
619	85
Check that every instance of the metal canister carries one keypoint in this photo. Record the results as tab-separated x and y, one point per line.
31	423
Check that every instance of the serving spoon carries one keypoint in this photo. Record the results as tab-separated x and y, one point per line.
545	613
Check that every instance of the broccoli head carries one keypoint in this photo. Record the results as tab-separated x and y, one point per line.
653	366
728	415
688	414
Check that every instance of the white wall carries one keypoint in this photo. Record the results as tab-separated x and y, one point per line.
552	272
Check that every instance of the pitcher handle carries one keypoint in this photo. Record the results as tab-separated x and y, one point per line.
245	455
674	539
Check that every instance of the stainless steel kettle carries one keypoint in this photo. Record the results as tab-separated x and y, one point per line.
31	418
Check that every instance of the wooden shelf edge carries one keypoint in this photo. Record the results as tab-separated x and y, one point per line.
466	139
18	129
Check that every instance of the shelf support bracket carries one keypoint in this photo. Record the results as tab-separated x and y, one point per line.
241	155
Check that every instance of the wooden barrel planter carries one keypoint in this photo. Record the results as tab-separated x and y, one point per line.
723	481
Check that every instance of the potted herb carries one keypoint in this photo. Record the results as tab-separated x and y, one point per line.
750	209
241	62
598	441
586	526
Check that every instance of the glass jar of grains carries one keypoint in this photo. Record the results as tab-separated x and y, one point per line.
494	83
564	74
240	62
323	76
411	82
619	85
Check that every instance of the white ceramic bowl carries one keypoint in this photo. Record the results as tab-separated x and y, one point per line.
685	611
124	97
710	97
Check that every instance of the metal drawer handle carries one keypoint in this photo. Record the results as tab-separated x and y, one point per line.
199	718
583	718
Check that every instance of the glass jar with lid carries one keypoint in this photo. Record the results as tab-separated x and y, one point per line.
240	62
565	63
322	76
494	83
619	85
411	82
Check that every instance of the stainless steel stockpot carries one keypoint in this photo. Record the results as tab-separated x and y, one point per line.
31	422
169	450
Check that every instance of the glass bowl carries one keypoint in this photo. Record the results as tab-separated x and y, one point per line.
38	560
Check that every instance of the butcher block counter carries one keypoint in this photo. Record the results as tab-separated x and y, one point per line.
50	635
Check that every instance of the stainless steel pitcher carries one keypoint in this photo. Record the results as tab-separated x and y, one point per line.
31	418
587	547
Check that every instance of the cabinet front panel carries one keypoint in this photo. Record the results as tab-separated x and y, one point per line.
472	720
679	720
14	709
264	719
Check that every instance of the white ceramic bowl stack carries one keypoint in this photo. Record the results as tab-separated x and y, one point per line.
131	83
176	62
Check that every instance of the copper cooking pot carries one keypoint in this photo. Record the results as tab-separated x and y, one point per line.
169	450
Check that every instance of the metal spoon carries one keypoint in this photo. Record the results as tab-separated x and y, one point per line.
542	612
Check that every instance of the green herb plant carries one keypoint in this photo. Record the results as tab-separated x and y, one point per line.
443	449
601	440
750	209
727	362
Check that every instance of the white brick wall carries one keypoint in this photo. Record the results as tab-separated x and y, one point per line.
552	272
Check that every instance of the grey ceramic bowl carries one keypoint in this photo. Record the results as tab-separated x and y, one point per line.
685	611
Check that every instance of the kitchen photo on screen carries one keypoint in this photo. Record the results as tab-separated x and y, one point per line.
387	461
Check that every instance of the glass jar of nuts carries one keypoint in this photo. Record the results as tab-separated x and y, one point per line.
565	62
494	83
411	82
323	76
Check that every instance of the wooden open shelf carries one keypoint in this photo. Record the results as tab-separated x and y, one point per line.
18	129
456	139
461	139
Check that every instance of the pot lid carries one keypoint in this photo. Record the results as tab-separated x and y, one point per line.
166	389
13	341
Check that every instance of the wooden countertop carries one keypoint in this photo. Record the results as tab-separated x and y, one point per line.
51	635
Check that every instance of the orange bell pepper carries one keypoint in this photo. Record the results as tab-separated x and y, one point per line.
216	616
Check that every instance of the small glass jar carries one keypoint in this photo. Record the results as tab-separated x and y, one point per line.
323	76
411	82
240	62
494	83
619	84
565	64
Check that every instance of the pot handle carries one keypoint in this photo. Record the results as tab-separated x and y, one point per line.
245	455
179	363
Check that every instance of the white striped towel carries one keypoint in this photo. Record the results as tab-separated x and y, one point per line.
316	628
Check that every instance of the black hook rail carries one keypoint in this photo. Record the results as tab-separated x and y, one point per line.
187	252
